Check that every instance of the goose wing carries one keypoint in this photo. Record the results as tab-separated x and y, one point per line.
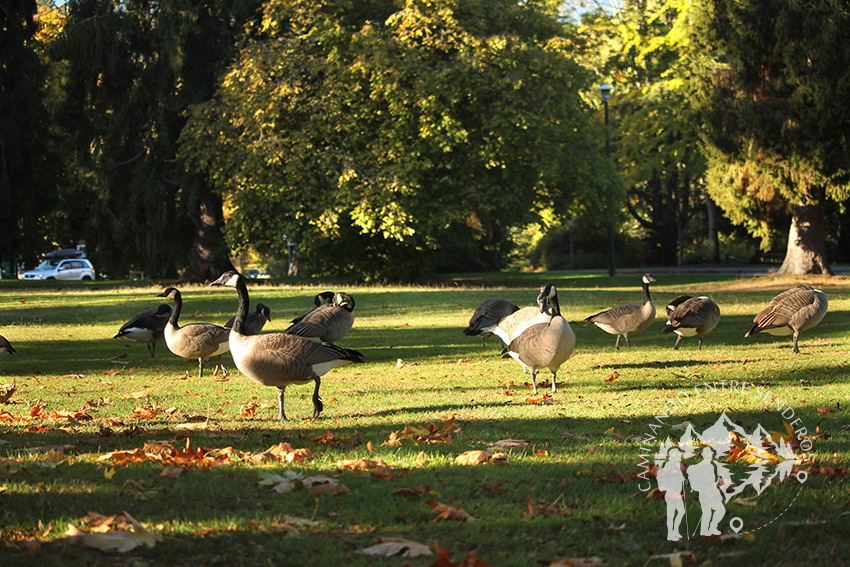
783	307
611	316
489	312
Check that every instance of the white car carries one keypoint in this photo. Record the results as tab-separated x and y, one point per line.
67	269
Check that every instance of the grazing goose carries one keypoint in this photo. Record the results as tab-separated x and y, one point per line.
627	319
791	312
255	321
195	340
511	326
545	345
328	323
488	313
280	359
321	299
5	345
689	316
146	327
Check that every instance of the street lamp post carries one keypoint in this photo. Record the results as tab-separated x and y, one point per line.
612	271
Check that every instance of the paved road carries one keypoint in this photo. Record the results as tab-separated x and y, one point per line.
756	270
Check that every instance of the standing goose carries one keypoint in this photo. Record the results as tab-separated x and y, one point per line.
545	345
195	340
791	312
146	327
6	345
280	359
488	313
255	321
321	299
327	323
627	319
689	316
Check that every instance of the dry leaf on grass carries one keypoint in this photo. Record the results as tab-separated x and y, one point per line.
676	559
431	433
321	485
6	391
469	560
472	458
613	376
445	512
121	533
413	490
280	484
508	443
392	547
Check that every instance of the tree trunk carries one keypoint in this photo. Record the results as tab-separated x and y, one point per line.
806	252
211	257
713	239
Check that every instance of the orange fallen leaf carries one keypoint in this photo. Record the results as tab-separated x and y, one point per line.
613	376
413	490
824	411
323	485
6	391
545	398
445	512
469	560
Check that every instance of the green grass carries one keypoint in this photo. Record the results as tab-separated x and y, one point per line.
223	516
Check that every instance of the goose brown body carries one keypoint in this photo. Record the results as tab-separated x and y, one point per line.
280	359
328	323
147	327
255	321
195	340
791	312
691	316
628	318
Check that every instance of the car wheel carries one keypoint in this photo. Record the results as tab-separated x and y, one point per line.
50	278
86	278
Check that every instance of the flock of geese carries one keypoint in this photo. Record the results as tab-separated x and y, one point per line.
537	337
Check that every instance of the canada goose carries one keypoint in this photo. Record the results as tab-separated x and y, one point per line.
627	319
5	345
508	328
328	323
320	299
195	340
791	312
255	321
689	316
545	345
280	359
146	327
488	313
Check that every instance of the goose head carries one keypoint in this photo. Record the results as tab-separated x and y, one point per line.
263	310
170	293
647	279
345	301
324	297
227	279
548	296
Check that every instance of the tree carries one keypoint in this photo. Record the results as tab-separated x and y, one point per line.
372	135
640	49
770	91
27	164
131	70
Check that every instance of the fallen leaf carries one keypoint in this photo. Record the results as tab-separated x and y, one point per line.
675	559
6	391
505	443
323	485
824	411
129	535
392	547
413	490
545	398
445	512
576	562
613	376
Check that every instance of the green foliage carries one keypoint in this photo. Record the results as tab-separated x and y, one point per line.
769	91
371	133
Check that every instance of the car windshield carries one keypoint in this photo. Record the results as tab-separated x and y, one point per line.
47	265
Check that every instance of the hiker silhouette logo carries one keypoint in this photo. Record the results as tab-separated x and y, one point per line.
713	467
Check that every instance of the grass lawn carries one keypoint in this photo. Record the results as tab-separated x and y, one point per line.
95	425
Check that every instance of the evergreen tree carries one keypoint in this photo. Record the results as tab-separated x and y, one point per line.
772	81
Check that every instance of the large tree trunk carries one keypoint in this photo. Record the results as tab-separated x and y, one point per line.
211	257
806	252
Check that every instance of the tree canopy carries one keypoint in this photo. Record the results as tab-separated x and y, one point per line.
375	135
